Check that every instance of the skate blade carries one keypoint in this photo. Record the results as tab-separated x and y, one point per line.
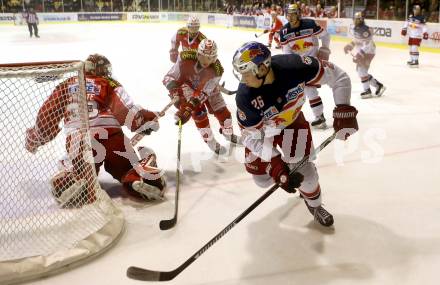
367	96
322	126
381	91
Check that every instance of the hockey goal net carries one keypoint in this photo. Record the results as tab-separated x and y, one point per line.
53	213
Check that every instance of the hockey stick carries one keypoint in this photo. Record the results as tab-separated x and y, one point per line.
260	34
168	224
226	91
152	275
139	136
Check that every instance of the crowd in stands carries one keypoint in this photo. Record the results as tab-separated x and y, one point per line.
387	10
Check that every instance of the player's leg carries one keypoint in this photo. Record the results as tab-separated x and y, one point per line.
36	30
200	117
218	106
362	71
414	52
30	29
141	178
315	102
296	143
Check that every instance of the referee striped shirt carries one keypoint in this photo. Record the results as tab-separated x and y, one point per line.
32	18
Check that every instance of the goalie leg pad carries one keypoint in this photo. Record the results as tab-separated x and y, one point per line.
68	191
146	179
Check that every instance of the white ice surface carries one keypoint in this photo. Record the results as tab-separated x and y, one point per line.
383	190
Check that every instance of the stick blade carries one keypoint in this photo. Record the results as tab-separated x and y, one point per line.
138	273
167	224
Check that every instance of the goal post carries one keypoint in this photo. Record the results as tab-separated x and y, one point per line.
53	213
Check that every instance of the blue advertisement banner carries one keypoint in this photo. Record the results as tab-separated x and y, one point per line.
245	21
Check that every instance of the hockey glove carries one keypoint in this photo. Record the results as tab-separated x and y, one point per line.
34	140
173	55
403	32
348	48
279	171
425	36
265	31
185	110
344	121
324	53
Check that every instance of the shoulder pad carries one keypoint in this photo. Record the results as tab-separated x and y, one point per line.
112	82
188	55
218	67
201	36
182	31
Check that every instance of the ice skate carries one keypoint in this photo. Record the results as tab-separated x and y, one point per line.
321	215
366	94
319	123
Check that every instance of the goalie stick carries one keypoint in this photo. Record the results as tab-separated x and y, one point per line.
139	136
152	275
168	224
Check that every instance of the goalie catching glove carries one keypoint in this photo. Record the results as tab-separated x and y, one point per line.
344	121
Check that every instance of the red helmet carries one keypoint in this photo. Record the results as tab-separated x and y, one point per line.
97	64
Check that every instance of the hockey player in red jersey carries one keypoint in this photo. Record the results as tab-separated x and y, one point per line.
416	29
109	107
188	37
195	80
363	49
274	32
269	101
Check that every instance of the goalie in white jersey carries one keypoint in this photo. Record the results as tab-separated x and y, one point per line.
416	29
363	49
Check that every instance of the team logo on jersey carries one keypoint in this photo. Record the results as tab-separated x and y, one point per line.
73	88
272	111
241	115
307	60
293	93
92	89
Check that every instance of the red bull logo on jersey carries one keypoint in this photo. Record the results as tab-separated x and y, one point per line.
301	45
250	54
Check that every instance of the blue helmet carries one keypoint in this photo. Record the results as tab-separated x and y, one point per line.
249	57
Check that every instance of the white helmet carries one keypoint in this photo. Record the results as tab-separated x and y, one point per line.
193	24
208	48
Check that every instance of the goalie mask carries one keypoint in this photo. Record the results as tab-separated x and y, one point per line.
99	65
207	52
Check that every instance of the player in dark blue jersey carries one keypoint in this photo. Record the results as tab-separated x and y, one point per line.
269	101
302	36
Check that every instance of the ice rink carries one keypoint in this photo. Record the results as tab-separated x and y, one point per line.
382	186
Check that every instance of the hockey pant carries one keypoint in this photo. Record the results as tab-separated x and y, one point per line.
295	142
362	67
215	104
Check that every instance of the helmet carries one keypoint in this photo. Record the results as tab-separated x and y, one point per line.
193	24
249	57
97	64
294	9
207	52
207	48
358	16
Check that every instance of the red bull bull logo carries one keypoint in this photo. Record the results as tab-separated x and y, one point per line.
250	54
